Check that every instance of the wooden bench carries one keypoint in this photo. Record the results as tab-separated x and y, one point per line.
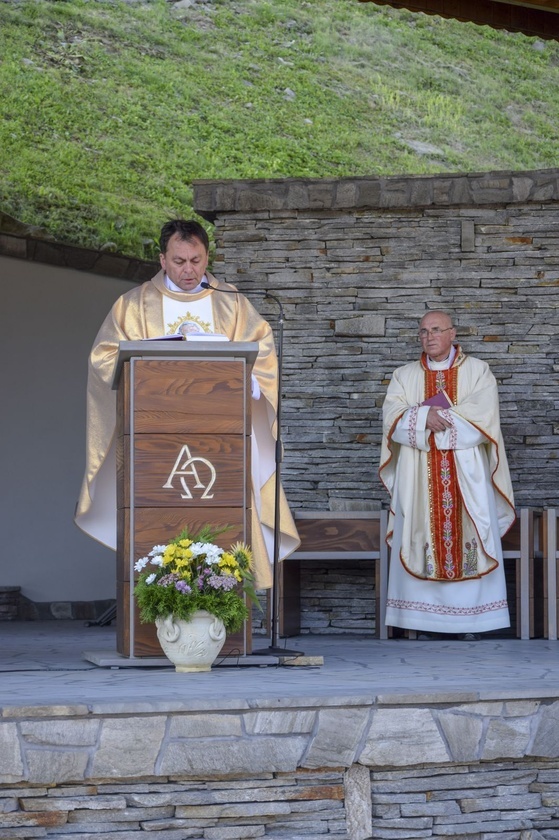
519	546
333	535
361	535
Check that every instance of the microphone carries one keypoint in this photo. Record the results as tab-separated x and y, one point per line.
206	285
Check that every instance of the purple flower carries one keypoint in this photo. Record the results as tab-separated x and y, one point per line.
182	586
225	582
168	580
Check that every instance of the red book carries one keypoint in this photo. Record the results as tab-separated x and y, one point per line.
440	400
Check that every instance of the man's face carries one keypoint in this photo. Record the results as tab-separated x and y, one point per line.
184	262
436	334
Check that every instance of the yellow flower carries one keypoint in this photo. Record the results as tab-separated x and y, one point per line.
181	562
185	543
243	554
168	556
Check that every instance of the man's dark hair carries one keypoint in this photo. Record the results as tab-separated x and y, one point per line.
186	230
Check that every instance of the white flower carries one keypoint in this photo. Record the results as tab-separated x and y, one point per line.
197	549
211	551
140	564
157	561
213	554
157	549
150	578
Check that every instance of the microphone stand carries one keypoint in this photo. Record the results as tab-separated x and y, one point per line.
274	649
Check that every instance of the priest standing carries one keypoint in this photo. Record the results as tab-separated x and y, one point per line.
444	465
175	301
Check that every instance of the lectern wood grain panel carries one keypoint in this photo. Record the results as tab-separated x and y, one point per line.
170	468
183	459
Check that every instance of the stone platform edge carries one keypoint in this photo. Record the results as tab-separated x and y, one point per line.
391	766
120	739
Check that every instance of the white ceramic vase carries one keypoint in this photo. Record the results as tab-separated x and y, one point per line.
191	645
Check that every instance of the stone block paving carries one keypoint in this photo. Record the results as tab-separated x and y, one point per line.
41	663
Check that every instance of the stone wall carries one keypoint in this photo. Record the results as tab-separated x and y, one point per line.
355	263
402	767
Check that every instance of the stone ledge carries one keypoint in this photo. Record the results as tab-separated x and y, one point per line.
74	744
274	195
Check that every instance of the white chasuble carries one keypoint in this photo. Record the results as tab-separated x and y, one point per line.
451	500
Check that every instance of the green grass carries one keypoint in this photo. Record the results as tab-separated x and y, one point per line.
111	110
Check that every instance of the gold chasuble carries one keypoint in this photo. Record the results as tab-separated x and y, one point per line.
148	311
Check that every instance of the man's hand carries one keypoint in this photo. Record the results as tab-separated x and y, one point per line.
435	421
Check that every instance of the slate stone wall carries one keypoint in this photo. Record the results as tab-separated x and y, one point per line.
432	766
355	263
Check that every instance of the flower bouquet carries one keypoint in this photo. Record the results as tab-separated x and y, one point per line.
192	573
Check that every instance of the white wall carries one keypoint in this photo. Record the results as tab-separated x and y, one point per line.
48	320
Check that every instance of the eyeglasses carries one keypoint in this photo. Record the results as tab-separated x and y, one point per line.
435	332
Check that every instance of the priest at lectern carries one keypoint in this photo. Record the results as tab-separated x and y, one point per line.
175	302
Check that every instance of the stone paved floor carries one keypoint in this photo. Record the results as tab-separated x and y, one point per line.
41	663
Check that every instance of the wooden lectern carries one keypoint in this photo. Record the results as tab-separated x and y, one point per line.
183	459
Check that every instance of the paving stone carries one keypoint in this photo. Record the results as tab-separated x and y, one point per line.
462	733
507	738
72	803
234	810
64	766
119	815
128	747
358	803
234	832
206	726
11	766
546	740
58	732
337	737
227	757
501	803
403	737
275	723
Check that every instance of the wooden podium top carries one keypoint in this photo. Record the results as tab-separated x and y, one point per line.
247	350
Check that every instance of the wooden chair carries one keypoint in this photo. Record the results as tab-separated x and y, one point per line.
518	545
550	577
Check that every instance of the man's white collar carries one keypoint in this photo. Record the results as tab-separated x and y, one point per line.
174	288
445	364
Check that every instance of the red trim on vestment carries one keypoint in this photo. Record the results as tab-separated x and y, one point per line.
445	499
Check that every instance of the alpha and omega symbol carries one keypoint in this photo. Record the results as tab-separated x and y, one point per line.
187	469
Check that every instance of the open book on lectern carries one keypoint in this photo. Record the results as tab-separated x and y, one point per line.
191	337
